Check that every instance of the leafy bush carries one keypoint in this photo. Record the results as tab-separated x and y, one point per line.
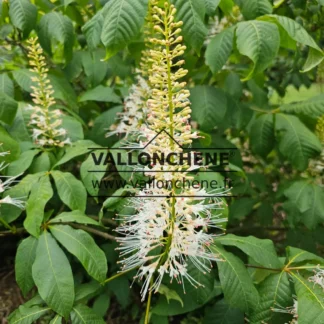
82	80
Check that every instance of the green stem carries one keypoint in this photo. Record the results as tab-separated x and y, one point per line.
117	276
148	306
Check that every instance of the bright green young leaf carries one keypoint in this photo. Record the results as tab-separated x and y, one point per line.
170	294
260	41
227	6
6	85
53	275
75	216
25	258
219	49
263	135
22	77
236	282
70	190
192	13
23	163
42	163
123	21
209	106
310	301
296	142
211	6
100	93
84	248
275	292
82	314
297	256
262	251
23	15
27	315
8	108
55	26
255	8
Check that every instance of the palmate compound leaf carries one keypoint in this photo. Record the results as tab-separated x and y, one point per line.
296	142
53	275
275	292
84	248
237	285
123	21
192	13
260	41
262	251
310	301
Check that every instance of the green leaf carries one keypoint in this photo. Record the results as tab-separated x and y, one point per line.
42	163
262	251
312	108
292	30
236	282
307	200
211	6
123	21
297	256
78	148
219	49
170	294
40	194
262	135
70	190
25	257
192	13
53	275
75	216
73	128
8	144
8	108
84	248
27	315
296	142
23	163
209	106
82	314
23	78
90	179
224	313
19	128
23	15
275	292
56	320
310	301
100	93
260	41
255	8
55	26
6	85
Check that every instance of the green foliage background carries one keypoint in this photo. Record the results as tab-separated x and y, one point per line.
256	77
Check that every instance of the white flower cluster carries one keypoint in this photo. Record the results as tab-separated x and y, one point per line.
318	278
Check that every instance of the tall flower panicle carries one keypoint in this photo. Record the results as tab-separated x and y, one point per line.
46	122
169	231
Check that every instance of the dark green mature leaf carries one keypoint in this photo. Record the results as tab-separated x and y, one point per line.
306	203
312	108
296	256
55	26
292	30
260	41
23	163
211	6
123	21
56	320
223	313
82	314
209	106
6	85
236	282
83	247
23	78
296	142
40	194
27	315
192	13
8	144
262	251
23	15
25	258
310	301
75	216
70	190
275	292
53	275
92	28
262	135
100	93
219	49
8	108
255	8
